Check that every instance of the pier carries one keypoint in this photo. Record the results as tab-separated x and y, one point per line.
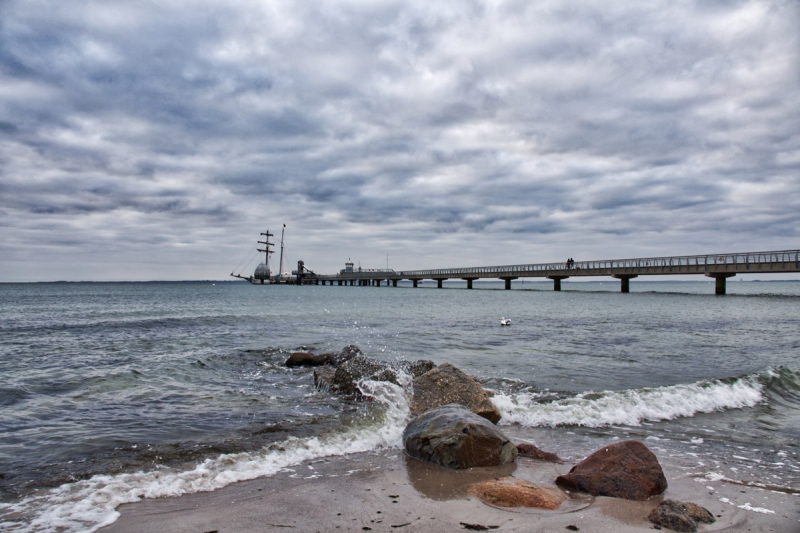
717	266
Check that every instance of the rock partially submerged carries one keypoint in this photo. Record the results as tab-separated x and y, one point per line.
534	452
679	516
330	358
348	374
446	384
454	437
309	359
323	377
512	492
626	470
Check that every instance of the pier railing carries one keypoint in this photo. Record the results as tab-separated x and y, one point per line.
587	268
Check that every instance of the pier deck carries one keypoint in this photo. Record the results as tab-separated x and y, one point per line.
717	266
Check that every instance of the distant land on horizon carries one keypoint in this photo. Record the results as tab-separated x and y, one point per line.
544	281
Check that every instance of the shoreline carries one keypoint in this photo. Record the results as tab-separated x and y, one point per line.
390	491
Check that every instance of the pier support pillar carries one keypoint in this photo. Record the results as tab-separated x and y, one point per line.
439	283
394	283
557	281
720	278
415	283
469	282
624	281
508	282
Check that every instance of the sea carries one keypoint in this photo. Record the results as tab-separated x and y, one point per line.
116	392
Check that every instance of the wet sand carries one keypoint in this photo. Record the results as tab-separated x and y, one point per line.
388	491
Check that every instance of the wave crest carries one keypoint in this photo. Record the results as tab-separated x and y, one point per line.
630	407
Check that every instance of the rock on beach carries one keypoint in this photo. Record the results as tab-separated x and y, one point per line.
513	492
679	516
446	384
625	469
348	374
454	437
534	452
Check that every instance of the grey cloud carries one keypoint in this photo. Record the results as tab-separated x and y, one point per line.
495	122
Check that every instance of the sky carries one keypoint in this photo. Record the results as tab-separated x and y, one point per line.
155	140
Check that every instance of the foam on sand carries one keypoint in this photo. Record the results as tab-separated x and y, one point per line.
90	504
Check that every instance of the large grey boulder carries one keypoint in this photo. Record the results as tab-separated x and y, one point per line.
454	437
447	384
348	374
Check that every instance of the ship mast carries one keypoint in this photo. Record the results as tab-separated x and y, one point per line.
266	249
280	266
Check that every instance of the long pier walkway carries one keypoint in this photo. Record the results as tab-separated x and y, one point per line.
717	266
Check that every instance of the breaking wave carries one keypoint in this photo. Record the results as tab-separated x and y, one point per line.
91	504
632	407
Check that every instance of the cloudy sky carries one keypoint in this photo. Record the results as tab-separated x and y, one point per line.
155	139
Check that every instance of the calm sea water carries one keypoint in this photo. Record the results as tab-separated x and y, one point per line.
112	392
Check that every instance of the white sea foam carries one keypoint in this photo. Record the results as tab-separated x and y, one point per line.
630	407
748	507
89	505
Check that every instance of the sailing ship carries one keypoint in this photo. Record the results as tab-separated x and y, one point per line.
262	274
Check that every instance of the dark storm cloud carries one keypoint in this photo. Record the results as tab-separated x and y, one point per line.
471	132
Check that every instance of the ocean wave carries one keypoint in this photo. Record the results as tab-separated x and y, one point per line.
632	407
91	504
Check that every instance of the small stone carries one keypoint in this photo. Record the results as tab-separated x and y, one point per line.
673	515
573	528
533	452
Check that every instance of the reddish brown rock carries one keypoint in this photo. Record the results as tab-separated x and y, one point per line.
534	452
626	470
446	384
512	492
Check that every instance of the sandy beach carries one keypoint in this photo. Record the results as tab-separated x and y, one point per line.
389	491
